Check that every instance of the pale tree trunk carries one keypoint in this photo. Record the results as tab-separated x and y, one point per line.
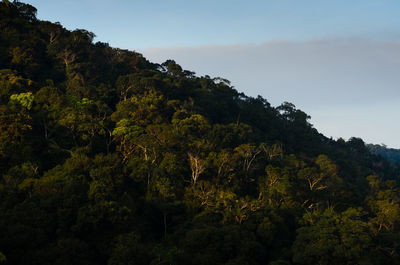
197	167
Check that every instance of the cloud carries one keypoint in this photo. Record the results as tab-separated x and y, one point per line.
323	72
344	81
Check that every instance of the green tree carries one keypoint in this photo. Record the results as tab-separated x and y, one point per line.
333	238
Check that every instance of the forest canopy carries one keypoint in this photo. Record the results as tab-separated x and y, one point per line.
107	158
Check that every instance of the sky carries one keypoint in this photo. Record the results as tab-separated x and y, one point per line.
337	60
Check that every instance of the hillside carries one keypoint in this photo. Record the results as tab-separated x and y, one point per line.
107	158
390	154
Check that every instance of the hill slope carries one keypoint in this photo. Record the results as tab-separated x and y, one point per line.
388	153
106	158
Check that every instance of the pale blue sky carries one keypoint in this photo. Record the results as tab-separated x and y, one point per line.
158	23
337	60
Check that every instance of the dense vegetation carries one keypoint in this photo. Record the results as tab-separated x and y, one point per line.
388	153
106	158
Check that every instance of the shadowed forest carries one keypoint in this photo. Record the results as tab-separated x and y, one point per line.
390	154
107	158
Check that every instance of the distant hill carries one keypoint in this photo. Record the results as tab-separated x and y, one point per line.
388	153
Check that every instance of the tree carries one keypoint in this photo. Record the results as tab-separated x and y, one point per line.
3	258
333	238
128	250
197	166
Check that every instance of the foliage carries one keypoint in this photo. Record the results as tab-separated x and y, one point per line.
106	158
